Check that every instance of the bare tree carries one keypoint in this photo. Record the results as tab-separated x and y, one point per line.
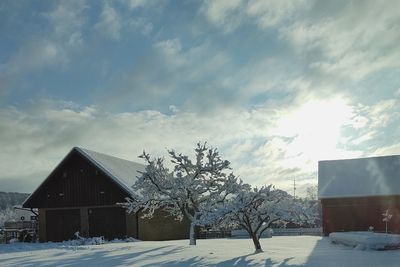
312	192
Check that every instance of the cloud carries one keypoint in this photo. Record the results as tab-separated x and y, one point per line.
224	14
110	22
67	20
50	47
42	134
35	55
353	42
294	89
202	77
134	4
379	125
270	143
388	150
140	24
366	137
304	133
267	144
271	13
229	15
171	71
115	22
349	41
170	49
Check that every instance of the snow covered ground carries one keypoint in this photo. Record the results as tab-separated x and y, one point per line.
366	240
278	251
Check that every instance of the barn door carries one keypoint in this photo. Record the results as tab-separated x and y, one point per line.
107	222
62	224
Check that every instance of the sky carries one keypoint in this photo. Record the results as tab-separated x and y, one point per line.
275	85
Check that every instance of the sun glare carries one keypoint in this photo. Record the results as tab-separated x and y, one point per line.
316	131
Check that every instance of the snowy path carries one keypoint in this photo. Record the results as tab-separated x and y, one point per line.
279	251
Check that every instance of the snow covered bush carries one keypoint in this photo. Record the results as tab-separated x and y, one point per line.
7	215
314	210
79	241
191	189
366	240
255	209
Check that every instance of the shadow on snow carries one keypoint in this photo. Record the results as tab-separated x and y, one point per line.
322	254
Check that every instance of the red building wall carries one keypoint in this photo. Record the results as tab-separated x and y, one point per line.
358	213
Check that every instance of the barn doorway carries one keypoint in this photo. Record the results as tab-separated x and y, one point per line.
107	222
62	224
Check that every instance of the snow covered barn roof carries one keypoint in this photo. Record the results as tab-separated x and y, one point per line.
376	176
122	172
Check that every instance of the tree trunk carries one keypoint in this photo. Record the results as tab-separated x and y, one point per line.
256	242
192	234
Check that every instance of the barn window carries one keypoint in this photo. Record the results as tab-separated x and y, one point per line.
61	194
101	192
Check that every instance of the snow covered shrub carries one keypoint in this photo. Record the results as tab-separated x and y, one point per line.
7	215
79	241
24	236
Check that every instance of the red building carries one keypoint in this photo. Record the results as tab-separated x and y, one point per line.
354	193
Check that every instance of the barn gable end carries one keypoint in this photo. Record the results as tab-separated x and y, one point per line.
81	194
75	182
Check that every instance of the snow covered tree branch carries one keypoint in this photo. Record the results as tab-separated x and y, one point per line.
7	215
255	209
192	189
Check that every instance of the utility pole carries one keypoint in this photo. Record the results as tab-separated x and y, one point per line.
294	188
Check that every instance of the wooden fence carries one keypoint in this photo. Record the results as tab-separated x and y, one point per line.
213	234
281	232
275	232
14	230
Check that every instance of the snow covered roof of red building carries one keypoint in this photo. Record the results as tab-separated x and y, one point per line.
375	176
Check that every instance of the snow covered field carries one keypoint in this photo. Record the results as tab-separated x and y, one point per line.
278	251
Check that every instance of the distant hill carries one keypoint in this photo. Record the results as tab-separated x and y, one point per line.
10	199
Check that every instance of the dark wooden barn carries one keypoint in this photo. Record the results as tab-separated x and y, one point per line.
354	194
81	194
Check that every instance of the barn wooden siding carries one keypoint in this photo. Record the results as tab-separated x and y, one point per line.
358	213
76	182
110	222
79	196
